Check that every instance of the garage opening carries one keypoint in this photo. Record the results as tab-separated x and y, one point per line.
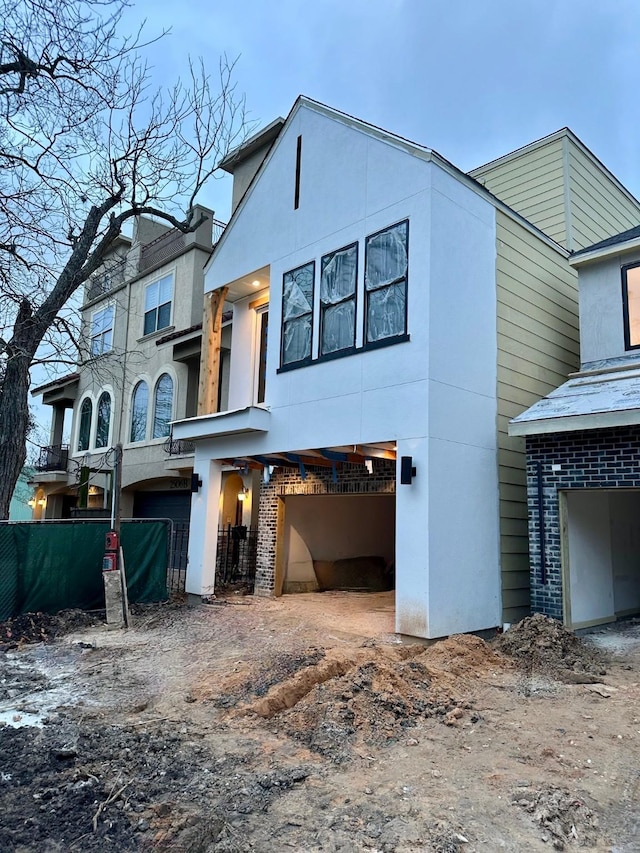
601	555
338	542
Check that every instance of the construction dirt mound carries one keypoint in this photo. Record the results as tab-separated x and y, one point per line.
543	645
373	695
43	627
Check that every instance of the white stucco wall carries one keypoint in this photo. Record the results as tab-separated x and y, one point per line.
601	311
434	395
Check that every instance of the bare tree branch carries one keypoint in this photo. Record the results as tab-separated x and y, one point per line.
86	144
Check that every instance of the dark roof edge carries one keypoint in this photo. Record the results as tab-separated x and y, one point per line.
263	137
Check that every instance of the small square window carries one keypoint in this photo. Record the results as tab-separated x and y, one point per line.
157	304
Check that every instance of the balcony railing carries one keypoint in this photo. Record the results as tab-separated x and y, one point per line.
53	458
179	447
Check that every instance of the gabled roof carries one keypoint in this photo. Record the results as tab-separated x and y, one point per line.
413	148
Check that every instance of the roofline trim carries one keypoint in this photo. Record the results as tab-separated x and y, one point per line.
586	256
413	148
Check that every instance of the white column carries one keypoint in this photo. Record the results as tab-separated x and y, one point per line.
203	531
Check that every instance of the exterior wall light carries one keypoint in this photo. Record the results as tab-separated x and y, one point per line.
196	482
243	493
407	470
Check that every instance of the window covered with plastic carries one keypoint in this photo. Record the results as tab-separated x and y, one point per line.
297	313
338	278
104	420
84	432
102	330
162	406
157	304
139	406
385	282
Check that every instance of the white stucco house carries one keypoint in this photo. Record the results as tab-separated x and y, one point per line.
389	314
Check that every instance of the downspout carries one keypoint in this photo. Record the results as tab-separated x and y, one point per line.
541	531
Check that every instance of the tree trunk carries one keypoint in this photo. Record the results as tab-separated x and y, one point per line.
14	426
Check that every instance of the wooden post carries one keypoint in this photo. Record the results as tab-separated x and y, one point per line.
210	352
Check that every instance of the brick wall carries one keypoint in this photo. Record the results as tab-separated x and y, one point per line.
349	480
589	459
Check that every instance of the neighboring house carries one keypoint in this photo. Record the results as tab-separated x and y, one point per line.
142	325
22	501
411	314
583	452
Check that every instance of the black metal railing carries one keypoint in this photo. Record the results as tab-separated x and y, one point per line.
236	556
179	446
178	550
53	458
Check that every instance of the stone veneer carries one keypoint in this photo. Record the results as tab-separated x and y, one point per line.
349	480
589	459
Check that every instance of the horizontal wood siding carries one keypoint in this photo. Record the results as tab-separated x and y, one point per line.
533	184
538	346
599	208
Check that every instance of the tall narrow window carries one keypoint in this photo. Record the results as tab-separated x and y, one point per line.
385	281
103	420
631	303
162	406
157	304
102	330
139	406
296	192
261	375
297	314
84	431
338	274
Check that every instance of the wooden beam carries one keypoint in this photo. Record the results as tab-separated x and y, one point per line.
208	388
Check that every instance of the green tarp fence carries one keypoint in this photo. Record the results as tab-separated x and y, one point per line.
54	566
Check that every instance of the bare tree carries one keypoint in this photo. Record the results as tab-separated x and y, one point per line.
86	143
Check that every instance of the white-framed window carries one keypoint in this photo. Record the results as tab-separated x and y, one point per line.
139	408
84	428
102	330
103	420
158	297
162	406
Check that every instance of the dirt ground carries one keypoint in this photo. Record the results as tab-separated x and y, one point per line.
303	724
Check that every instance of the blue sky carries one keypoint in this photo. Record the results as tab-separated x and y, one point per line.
471	79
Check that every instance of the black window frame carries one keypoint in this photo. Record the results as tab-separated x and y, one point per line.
625	306
353	298
103	419
164	424
404	335
290	365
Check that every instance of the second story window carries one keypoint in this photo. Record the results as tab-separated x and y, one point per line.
385	281
139	405
102	330
103	420
631	303
338	279
297	313
84	431
157	304
162	406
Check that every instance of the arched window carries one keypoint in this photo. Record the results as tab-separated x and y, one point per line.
162	406
139	406
104	418
84	433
